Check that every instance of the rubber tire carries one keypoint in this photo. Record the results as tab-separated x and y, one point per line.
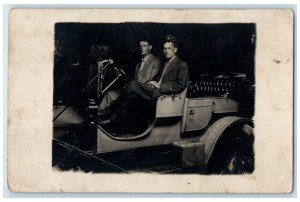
234	152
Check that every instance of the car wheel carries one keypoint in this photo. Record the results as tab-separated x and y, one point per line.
234	152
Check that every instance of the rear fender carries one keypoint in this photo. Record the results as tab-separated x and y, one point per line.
215	132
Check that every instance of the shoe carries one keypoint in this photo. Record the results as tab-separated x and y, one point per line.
104	113
110	127
104	123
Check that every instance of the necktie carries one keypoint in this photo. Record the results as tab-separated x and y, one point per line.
140	70
163	73
142	63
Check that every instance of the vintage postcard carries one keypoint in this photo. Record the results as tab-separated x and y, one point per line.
150	100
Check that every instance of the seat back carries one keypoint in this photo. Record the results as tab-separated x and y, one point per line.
171	105
215	86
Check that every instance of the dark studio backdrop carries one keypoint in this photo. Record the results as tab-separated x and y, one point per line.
207	49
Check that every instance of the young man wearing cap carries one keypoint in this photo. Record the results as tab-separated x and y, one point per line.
172	79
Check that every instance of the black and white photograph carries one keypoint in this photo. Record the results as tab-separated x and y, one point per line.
150	100
154	97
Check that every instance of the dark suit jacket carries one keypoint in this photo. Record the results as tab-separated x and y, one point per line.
175	78
174	81
149	71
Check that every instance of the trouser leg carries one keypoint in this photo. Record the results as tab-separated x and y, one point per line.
108	99
124	108
136	95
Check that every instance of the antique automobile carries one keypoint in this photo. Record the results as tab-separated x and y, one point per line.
208	126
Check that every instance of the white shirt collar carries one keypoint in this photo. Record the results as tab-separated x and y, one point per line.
145	58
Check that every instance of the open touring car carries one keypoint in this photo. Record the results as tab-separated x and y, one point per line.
208	127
